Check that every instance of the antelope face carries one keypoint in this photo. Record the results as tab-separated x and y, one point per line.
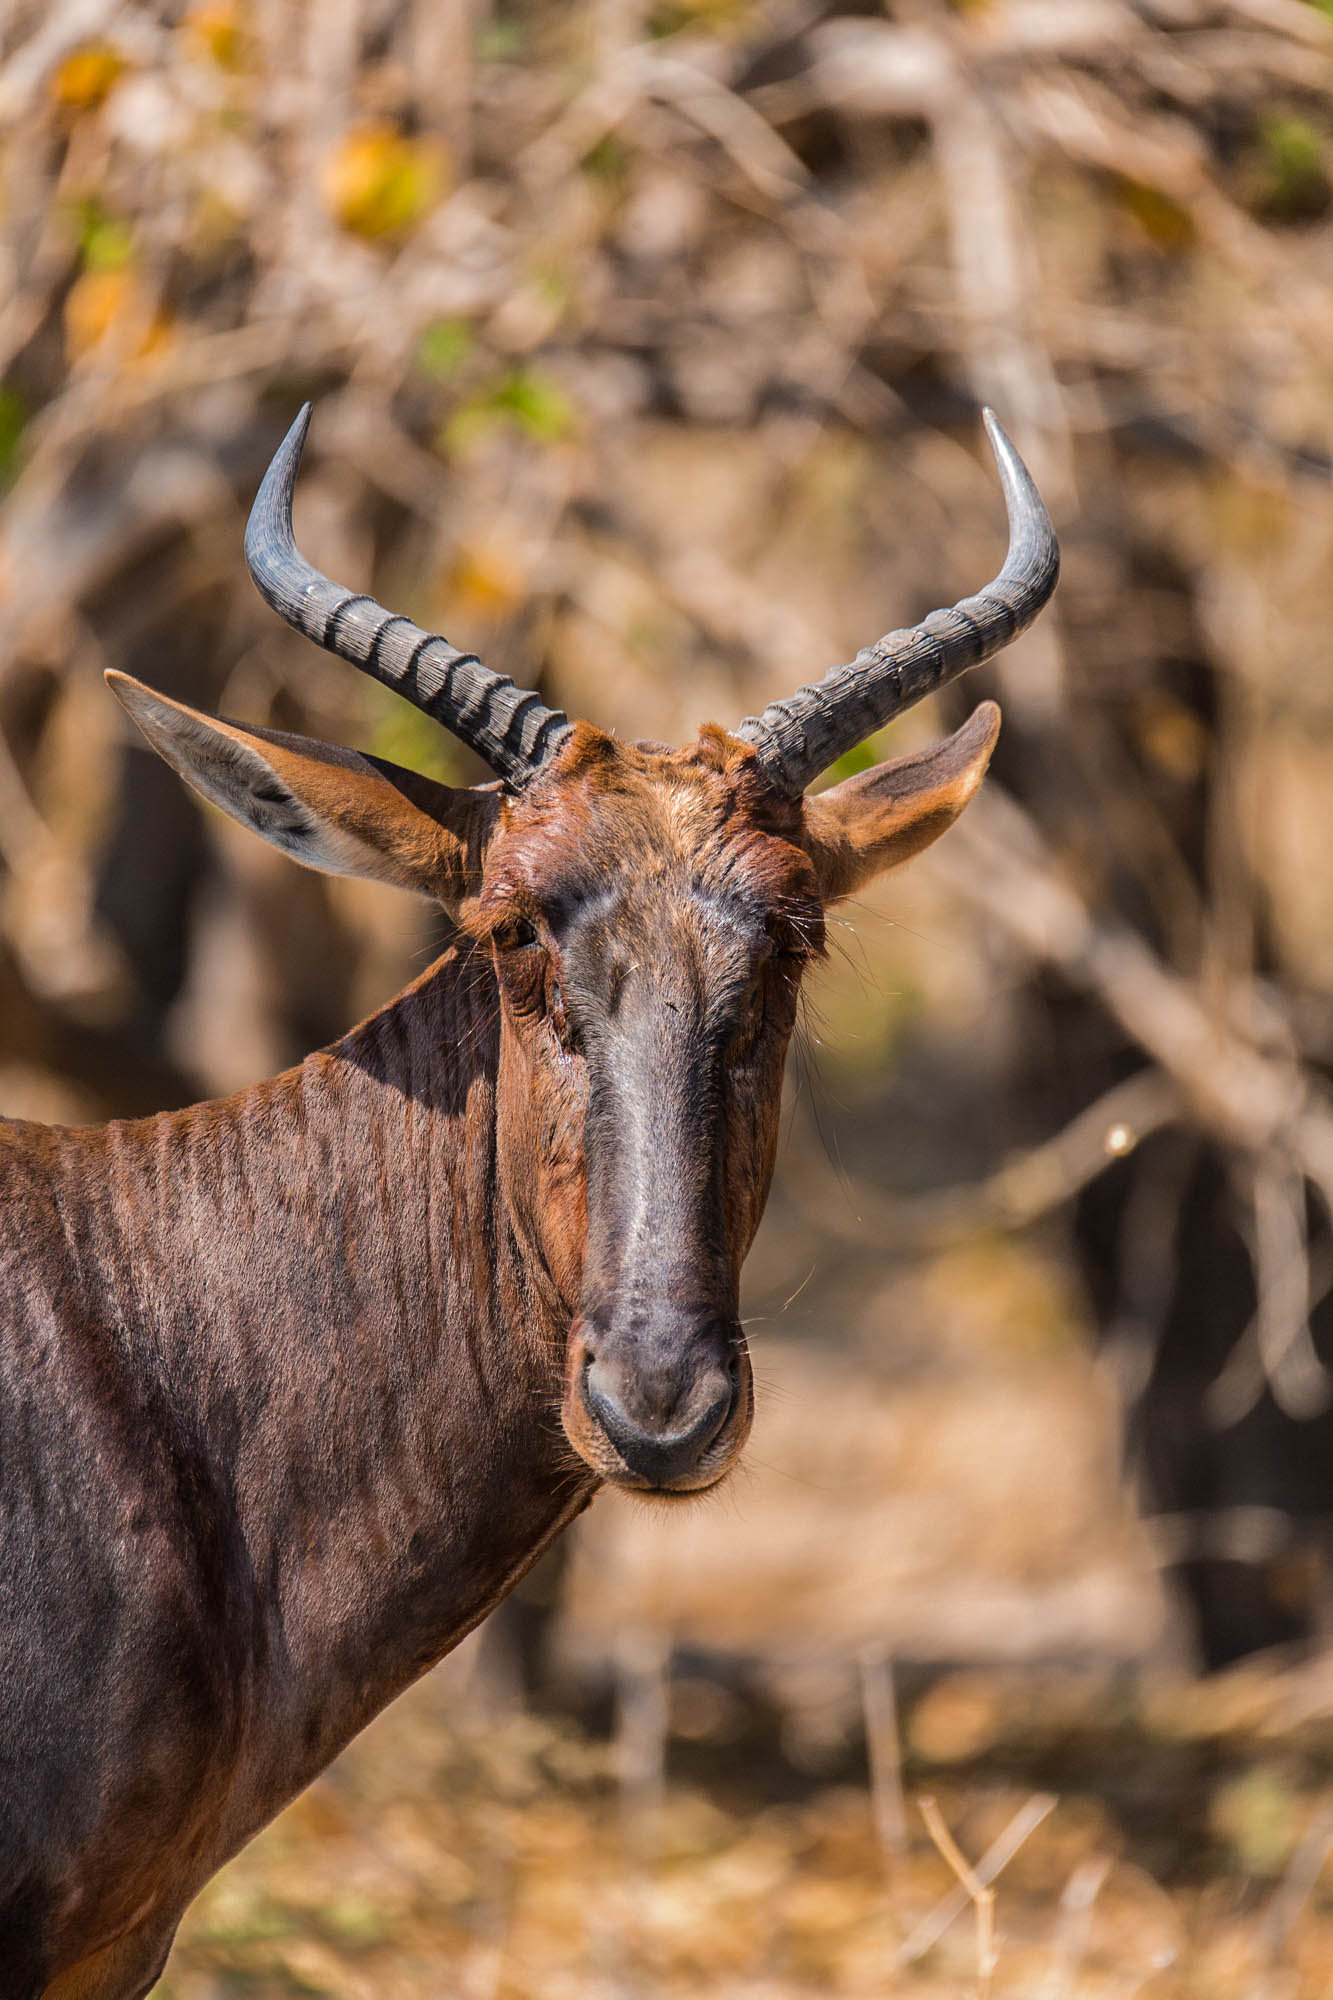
650	915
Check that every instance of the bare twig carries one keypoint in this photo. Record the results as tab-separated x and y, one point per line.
1243	1095
880	1708
28	67
643	1656
980	1894
1288	17
1294	1373
1071	1937
1243	1379
996	1858
1291	1896
1020	1192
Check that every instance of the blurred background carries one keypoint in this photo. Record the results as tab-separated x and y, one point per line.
647	340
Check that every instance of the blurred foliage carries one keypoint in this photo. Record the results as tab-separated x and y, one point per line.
522	400
1166	223
1295	161
444	347
378	182
105	242
219	33
86	76
405	736
13	418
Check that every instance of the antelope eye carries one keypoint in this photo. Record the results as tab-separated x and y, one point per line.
788	945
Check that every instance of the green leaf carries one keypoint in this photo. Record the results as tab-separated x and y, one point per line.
523	400
13	422
444	347
402	735
500	40
537	405
1294	163
105	242
861	757
608	161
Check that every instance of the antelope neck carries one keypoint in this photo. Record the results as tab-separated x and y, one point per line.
319	1272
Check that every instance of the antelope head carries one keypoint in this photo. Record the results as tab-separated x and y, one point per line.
648	914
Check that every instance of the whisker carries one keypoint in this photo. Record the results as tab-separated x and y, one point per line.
769	1390
800	1288
785	1472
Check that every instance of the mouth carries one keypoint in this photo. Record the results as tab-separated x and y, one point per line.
612	1471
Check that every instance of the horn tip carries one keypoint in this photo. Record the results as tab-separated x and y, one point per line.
296	436
1000	441
269	527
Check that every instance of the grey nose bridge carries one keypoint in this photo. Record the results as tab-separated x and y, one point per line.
654	1143
662	1356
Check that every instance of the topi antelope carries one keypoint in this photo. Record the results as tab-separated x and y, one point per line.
279	1376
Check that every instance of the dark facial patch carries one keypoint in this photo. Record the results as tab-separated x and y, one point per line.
649	914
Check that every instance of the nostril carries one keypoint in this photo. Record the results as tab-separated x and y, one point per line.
714	1417
606	1410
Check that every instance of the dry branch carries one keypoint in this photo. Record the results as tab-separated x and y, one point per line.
979	1893
996	1858
1018	1193
1242	1094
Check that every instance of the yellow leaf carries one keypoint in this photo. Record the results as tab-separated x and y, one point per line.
485	583
1171	738
105	302
1168	226
217	33
379	182
87	76
95	302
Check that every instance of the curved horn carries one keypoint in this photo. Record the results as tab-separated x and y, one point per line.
512	729
798	738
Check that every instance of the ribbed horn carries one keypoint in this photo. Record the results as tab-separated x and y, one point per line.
512	729
798	738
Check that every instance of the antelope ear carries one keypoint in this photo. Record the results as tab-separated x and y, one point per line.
328	807
881	817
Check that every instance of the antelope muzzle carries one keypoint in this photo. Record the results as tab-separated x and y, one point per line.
658	1395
